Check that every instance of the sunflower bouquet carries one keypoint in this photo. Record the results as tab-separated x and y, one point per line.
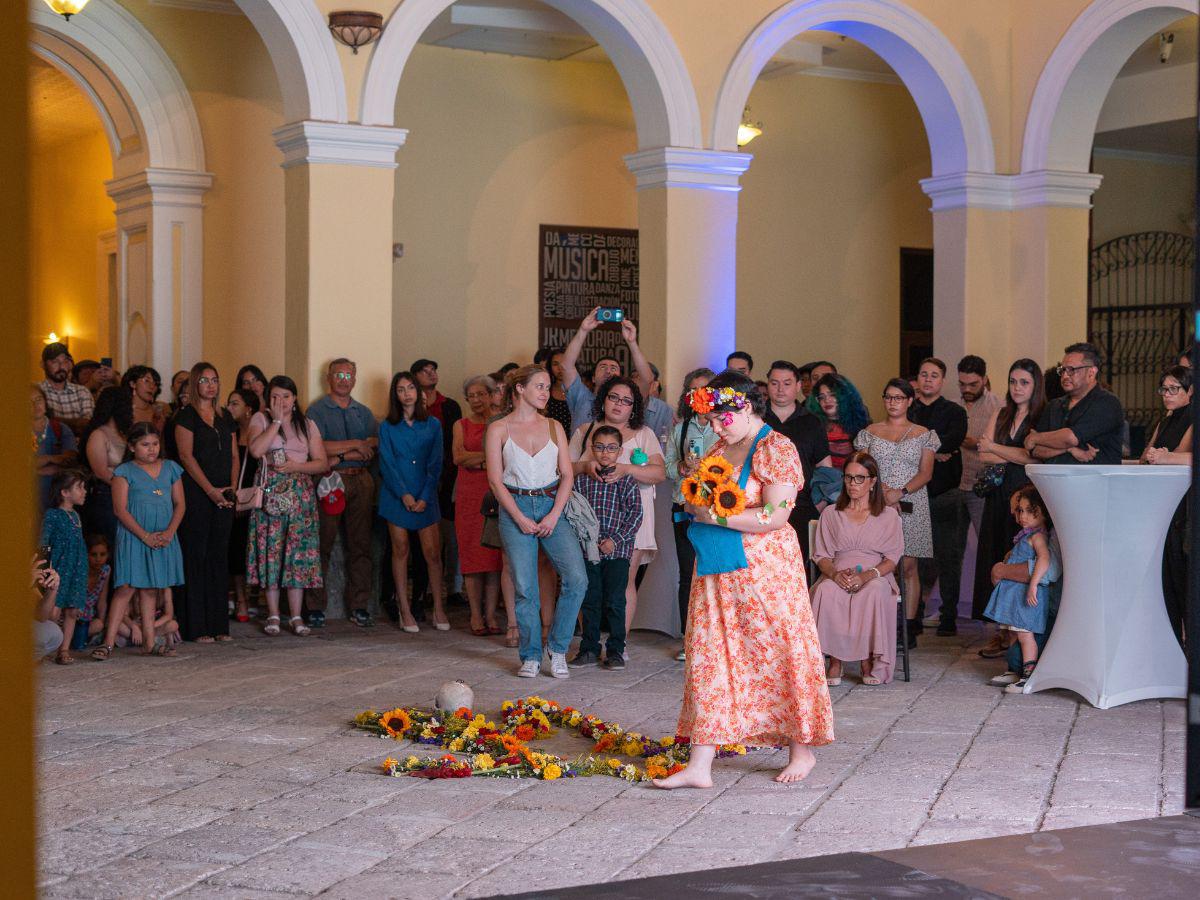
713	486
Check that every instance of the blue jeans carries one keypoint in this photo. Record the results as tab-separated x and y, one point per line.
565	553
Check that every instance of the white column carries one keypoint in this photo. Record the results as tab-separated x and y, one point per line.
160	267
687	219
1010	264
338	184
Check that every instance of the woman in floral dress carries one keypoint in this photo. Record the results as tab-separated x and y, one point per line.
754	673
284	549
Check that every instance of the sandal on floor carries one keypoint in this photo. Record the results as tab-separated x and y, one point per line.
204	639
513	638
222	638
481	631
493	630
298	627
272	626
64	659
161	648
103	652
871	680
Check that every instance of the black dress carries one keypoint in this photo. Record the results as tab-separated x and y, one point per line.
204	532
997	527
1169	436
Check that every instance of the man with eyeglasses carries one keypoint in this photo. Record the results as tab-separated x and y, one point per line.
350	433
1086	424
947	513
580	399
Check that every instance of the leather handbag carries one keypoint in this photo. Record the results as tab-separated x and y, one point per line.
249	498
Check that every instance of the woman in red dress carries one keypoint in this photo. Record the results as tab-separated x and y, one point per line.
754	672
480	565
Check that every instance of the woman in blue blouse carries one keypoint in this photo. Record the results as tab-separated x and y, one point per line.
410	459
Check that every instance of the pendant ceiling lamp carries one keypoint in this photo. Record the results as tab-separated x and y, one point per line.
67	8
748	130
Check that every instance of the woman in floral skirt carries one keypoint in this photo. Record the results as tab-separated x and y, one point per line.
754	672
284	547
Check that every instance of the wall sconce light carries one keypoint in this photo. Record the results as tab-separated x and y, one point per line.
748	130
53	338
355	29
67	8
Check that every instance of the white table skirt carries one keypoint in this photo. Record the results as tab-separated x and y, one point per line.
1112	642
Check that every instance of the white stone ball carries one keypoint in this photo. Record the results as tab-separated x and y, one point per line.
454	695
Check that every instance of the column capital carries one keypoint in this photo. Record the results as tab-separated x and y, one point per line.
682	167
172	187
308	142
977	190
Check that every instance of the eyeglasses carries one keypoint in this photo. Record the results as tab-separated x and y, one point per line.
894	398
204	379
343	376
1169	390
606	448
620	401
855	479
1070	371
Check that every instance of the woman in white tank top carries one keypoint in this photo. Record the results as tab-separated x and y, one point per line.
530	473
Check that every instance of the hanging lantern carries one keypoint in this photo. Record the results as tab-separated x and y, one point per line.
67	8
355	29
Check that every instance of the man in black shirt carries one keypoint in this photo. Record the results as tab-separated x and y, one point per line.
787	416
1085	425
947	511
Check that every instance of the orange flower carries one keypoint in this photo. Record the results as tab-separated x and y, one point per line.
524	733
678	767
728	499
395	722
716	467
510	743
692	491
701	400
463	713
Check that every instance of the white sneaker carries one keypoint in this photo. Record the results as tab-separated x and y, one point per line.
681	656
558	665
531	668
1006	678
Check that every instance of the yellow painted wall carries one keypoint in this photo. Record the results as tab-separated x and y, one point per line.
497	146
1142	195
70	212
831	197
235	91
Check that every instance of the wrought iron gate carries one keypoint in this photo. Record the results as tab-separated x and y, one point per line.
1139	312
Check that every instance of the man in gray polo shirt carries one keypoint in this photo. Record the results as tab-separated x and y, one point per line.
350	433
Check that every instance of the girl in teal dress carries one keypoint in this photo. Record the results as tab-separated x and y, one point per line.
62	532
148	502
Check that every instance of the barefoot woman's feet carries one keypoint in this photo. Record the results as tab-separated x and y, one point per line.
690	777
801	762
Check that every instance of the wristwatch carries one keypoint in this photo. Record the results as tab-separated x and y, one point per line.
341	457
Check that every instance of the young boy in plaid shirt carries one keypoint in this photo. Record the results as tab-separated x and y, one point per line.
618	506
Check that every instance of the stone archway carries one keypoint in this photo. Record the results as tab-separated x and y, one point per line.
159	176
643	52
949	101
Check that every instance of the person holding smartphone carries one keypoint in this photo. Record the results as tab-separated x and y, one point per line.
905	454
206	438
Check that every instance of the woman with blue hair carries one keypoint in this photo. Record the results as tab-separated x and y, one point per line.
837	403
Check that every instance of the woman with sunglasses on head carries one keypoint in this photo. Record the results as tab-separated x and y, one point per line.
1171	445
859	544
619	404
904	452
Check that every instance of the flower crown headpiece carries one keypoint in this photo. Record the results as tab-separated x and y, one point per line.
704	400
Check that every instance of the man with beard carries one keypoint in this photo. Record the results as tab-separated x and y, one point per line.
71	404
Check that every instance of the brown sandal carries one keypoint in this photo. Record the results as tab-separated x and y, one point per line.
103	652
513	638
63	658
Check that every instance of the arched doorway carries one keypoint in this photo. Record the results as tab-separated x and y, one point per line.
150	269
935	130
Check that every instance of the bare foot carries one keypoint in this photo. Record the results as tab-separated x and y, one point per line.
799	765
688	778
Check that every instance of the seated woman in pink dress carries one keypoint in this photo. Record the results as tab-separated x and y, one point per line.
859	543
754	673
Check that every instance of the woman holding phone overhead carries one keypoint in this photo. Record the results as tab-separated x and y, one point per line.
904	452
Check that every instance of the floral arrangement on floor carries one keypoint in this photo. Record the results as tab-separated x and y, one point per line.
502	750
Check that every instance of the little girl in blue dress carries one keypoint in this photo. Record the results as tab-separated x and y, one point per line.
62	532
1016	606
148	501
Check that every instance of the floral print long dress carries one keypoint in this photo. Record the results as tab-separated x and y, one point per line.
754	672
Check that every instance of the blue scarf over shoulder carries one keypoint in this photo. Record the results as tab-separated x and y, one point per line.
720	549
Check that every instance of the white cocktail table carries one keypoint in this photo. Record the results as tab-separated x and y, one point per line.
1112	642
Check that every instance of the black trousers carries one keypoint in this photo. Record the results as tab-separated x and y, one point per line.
604	602
1174	571
201	608
950	521
686	554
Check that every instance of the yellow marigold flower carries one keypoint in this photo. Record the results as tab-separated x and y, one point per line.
506	705
551	772
614	764
485	762
632	748
412	762
456	745
389	764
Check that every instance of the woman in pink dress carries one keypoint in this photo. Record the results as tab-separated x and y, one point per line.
754	673
480	565
859	543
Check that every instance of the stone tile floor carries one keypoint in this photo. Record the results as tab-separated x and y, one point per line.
230	771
